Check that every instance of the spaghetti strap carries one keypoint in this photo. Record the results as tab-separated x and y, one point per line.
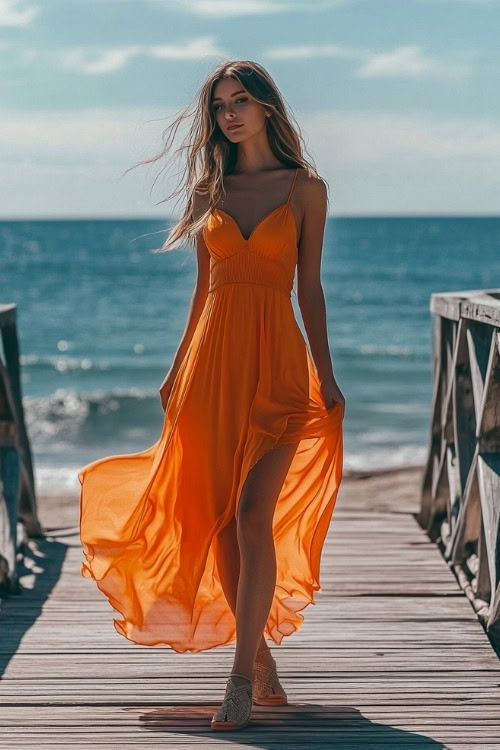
292	186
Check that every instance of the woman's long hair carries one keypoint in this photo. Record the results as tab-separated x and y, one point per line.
210	155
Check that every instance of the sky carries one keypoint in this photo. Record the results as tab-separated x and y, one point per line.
397	100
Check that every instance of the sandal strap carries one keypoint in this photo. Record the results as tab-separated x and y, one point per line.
237	674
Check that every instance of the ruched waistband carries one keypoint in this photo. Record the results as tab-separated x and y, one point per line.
248	267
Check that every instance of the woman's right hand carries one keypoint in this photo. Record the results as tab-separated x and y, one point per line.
166	387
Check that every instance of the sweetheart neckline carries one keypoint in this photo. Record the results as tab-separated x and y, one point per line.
269	213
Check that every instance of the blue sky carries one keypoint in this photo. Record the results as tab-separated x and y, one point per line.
397	100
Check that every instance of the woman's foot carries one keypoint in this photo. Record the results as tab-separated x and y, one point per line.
234	712
267	689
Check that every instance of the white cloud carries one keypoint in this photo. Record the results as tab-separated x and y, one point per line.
227	8
72	162
393	138
403	62
110	60
107	61
12	13
72	136
354	137
193	50
307	51
231	8
409	61
394	163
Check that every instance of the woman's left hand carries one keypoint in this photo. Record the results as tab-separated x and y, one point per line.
332	394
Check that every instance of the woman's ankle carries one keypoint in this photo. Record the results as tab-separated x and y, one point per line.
264	657
239	678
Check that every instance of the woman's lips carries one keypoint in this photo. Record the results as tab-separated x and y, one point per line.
233	127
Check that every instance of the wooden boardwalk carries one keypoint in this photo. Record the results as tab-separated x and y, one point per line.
391	656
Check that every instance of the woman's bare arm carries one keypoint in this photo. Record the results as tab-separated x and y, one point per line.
200	291
197	303
310	296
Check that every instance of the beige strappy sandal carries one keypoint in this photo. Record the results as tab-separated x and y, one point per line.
234	711
267	689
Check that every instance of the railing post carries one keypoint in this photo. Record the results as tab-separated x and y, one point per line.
17	486
460	491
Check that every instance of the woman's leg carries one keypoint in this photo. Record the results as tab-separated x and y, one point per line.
227	555
257	574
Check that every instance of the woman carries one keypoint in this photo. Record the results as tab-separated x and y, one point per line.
214	534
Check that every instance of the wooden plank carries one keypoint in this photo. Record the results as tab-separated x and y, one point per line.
391	655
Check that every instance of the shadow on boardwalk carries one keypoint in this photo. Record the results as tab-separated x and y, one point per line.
333	727
39	570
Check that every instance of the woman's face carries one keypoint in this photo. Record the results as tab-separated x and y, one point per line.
233	105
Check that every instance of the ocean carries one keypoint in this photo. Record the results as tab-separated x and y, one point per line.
100	316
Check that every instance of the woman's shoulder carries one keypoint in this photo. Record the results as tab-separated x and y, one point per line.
310	178
312	186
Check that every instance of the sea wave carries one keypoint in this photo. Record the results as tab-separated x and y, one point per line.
64	363
73	417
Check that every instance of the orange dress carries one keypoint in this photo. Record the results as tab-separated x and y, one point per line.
247	384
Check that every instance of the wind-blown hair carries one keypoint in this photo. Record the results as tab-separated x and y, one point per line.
210	154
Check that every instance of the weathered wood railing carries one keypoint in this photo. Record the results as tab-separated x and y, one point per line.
17	486
460	493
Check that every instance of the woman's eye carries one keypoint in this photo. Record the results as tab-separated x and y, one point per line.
241	99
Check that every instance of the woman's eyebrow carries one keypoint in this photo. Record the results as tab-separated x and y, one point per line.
218	99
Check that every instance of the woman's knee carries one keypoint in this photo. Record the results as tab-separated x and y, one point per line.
253	521
260	493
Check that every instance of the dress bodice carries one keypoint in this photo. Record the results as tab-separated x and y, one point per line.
268	256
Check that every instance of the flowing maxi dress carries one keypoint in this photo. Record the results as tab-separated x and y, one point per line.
247	384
